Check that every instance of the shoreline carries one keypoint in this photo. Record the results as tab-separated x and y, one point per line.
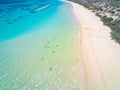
99	54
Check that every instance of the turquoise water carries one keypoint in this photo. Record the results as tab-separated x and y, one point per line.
19	19
39	49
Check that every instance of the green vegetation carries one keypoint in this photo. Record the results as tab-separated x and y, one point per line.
100	7
116	36
107	20
115	27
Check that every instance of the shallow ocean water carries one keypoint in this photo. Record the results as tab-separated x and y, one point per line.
39	49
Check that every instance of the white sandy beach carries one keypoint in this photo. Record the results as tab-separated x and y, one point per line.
98	53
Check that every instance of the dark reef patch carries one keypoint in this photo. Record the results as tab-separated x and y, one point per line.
1	10
20	16
9	22
50	68
53	51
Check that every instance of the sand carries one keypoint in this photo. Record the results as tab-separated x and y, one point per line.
98	53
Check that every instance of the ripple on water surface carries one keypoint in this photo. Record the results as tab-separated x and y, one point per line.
39	50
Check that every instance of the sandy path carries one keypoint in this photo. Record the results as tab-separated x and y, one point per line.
99	54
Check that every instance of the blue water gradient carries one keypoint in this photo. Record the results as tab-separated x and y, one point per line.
19	1
39	47
18	19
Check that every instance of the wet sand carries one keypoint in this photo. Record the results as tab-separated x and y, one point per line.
98	53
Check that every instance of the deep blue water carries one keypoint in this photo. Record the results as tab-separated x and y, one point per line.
18	1
38	47
20	18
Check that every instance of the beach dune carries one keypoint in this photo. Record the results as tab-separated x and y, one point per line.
98	53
